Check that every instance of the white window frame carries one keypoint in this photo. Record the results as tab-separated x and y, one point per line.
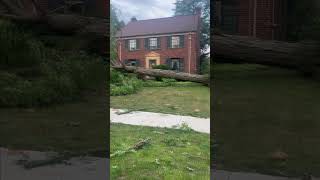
153	43
175	41
132	44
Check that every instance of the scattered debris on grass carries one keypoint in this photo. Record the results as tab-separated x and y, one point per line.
139	145
72	124
183	126
29	164
190	169
127	111
157	162
158	132
60	158
279	156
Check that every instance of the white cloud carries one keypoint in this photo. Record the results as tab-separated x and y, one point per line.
144	9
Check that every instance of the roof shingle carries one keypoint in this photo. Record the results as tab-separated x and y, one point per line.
166	25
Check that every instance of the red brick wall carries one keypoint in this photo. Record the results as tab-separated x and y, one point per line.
264	19
166	52
43	4
268	13
244	21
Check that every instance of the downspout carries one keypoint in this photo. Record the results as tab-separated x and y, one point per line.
189	54
273	18
120	49
254	18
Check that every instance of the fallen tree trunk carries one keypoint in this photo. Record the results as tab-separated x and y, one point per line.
166	74
240	49
29	11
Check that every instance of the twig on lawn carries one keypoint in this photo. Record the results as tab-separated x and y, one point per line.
129	111
59	159
139	145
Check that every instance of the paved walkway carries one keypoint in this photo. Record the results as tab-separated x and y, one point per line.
80	168
226	175
160	120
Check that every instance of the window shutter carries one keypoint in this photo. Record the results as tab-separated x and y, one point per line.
159	43
138	43
181	65
168	63
181	41
126	44
169	42
146	43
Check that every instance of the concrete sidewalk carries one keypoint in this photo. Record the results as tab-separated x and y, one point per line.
160	120
80	168
227	175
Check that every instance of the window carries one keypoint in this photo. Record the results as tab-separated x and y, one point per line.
132	44
132	62
175	41
153	43
175	64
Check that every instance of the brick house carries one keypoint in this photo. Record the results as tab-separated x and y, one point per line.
97	8
265	19
173	41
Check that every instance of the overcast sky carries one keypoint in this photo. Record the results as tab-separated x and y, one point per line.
144	9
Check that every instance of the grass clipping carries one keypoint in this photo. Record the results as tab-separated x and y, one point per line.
139	145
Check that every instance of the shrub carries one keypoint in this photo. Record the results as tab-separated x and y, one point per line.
123	84
161	66
17	48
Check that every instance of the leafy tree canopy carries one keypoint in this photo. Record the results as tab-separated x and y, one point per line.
188	7
115	26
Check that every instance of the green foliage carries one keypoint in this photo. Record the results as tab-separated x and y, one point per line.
17	48
188	7
161	66
115	26
303	20
32	75
205	66
164	82
126	83
123	84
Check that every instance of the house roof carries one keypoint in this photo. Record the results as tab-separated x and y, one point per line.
166	25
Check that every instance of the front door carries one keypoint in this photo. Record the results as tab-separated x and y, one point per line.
152	59
152	62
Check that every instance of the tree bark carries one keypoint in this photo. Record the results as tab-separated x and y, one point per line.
29	11
240	49
166	74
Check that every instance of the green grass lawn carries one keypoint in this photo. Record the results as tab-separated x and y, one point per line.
171	154
259	110
193	100
77	127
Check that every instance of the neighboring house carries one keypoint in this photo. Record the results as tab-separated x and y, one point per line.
265	19
173	41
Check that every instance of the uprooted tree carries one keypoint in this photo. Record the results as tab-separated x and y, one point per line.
165	74
29	11
225	47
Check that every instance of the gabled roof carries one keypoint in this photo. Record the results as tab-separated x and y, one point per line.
175	24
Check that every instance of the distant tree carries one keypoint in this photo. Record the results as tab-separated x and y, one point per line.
188	7
303	20
115	25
